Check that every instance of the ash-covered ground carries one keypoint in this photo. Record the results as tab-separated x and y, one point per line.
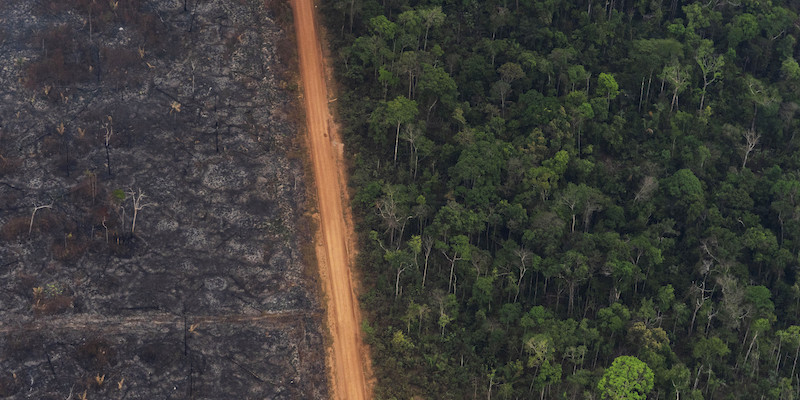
152	229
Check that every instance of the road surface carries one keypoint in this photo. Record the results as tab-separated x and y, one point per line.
347	362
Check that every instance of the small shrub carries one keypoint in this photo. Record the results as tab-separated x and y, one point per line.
71	248
89	190
282	12
64	61
51	299
9	165
19	345
100	215
151	29
122	245
10	384
118	195
96	354
119	65
52	145
15	228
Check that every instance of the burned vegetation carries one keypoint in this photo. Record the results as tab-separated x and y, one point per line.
150	193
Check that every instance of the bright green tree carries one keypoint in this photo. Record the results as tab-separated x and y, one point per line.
607	86
628	378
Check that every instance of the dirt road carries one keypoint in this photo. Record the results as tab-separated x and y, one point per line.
348	362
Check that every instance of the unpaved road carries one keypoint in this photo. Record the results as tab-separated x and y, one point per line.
348	363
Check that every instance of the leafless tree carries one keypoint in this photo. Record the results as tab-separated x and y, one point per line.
106	228
400	269
752	138
571	203
591	207
137	206
109	127
427	246
649	185
33	215
456	257
193	67
523	255
389	210
701	295
678	77
422	311
410	134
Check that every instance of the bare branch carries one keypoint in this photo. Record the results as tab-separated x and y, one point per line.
137	206
752	139
33	214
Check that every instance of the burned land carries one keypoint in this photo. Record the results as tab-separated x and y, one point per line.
152	234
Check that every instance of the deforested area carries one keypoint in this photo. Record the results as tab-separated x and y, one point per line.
152	195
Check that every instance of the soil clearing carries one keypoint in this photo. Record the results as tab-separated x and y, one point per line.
347	361
207	294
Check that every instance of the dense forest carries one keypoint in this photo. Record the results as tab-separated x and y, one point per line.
575	199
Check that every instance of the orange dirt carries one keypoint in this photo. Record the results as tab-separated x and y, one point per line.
348	361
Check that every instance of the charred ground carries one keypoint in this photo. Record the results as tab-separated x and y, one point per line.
150	193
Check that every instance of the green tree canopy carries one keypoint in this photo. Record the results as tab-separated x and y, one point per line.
628	378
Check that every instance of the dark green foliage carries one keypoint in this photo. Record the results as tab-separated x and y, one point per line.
551	185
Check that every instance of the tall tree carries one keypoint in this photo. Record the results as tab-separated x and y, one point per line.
400	111
431	18
607	87
710	65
